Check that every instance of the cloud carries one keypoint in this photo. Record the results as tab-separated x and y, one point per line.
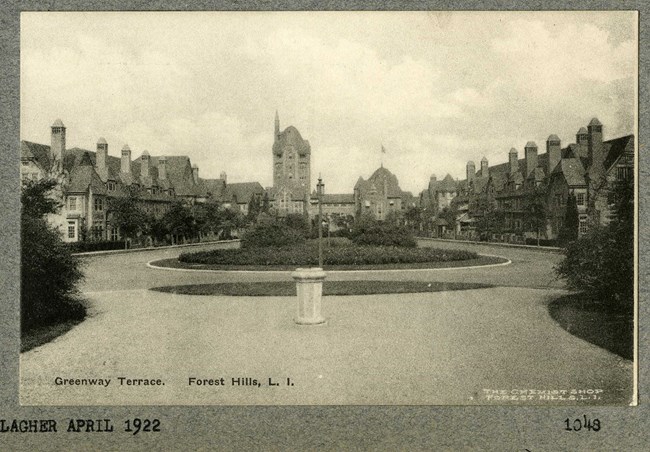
436	90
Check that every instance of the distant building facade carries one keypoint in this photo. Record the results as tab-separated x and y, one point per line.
89	179
291	171
381	195
585	169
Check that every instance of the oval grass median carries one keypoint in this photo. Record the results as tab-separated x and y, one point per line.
337	255
288	288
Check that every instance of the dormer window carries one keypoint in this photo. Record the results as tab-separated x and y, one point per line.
110	185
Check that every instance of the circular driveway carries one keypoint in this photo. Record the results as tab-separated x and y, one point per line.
483	346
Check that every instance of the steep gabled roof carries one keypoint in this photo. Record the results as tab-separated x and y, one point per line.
448	184
212	187
40	153
242	192
84	176
617	147
572	170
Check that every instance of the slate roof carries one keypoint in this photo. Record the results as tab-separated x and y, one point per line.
338	198
242	192
84	176
291	136
447	185
573	171
216	188
39	153
617	147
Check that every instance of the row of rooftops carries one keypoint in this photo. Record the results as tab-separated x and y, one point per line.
158	176
572	162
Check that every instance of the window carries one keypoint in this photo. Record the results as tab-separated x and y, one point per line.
98	230
623	173
558	199
114	234
582	227
580	199
111	185
72	229
99	204
72	203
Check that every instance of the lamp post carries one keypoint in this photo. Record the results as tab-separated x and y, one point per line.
319	190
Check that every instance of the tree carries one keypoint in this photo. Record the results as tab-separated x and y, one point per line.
413	217
36	200
535	211
254	207
491	221
180	221
450	215
127	215
601	263
49	272
569	231
297	221
266	203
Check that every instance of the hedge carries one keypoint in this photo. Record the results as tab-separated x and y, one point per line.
82	247
307	255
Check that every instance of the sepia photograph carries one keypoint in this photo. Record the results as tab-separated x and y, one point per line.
328	208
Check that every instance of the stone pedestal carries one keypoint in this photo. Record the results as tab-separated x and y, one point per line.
309	285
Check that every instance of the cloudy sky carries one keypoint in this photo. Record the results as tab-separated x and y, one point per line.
436	89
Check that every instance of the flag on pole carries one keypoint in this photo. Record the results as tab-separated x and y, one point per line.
383	149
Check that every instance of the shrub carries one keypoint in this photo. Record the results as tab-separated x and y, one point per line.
542	242
601	263
384	234
598	265
339	253
297	222
49	274
83	247
271	234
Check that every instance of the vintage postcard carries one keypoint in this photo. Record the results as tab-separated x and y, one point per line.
328	208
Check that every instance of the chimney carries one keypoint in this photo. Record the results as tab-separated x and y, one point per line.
513	158
100	159
57	147
530	154
223	176
144	164
162	167
596	152
553	152
195	173
125	167
485	171
582	140
471	171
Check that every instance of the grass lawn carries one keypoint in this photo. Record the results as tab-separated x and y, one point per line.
35	337
288	288
480	260
595	323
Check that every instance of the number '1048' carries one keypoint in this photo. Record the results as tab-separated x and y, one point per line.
575	425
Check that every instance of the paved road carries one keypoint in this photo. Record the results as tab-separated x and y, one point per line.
460	347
